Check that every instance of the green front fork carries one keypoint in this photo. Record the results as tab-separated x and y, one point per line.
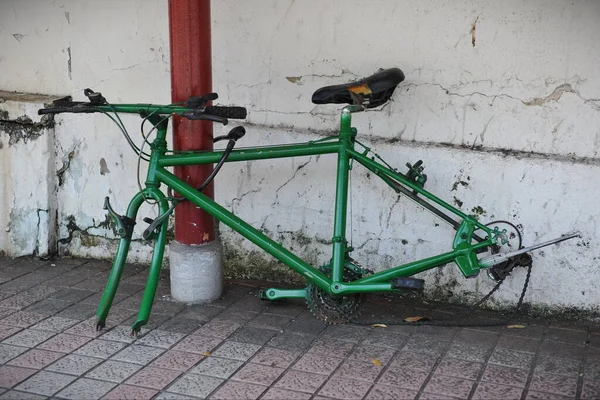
121	258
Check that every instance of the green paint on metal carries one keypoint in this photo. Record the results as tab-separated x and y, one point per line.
467	260
340	243
278	294
250	154
156	262
119	263
243	228
342	145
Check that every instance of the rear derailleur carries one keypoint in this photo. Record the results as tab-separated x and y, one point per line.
499	272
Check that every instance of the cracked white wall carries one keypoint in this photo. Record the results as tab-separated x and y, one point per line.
503	96
504	93
27	192
59	48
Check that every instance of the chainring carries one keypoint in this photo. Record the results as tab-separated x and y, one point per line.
511	239
334	310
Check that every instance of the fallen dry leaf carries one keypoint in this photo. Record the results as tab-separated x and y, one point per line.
379	325
376	362
206	353
415	319
515	326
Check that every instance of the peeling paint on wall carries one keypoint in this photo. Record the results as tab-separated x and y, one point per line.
69	60
72	228
27	208
554	96
103	167
23	129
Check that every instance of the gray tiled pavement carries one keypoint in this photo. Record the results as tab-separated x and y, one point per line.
242	348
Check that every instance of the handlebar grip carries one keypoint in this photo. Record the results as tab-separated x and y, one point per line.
227	112
43	111
60	110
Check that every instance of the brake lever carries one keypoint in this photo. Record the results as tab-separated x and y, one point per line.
197	102
94	97
207	117
235	134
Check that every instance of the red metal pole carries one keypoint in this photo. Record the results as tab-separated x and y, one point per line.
191	75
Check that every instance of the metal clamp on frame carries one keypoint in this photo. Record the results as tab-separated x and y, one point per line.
124	225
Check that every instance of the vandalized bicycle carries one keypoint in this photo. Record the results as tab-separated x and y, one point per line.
333	291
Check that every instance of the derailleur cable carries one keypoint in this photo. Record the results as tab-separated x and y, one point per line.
460	321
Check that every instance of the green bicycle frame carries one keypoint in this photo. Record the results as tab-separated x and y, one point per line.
343	146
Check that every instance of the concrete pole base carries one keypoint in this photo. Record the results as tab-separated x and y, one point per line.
196	272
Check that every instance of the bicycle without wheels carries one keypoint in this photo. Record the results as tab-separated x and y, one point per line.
333	291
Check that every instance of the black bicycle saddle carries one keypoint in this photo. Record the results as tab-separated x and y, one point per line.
370	92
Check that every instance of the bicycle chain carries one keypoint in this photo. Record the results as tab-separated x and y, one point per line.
456	321
527	277
347	308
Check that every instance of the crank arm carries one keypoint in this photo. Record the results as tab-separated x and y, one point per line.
495	259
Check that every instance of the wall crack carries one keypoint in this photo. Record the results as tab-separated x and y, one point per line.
301	166
298	79
66	164
554	96
72	227
474	31
239	199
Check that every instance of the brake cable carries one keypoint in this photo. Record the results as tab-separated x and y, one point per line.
125	133
96	98
146	136
236	133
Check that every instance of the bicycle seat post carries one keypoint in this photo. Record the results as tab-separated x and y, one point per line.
346	120
352	108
